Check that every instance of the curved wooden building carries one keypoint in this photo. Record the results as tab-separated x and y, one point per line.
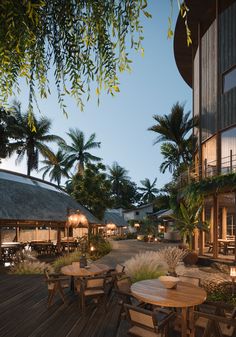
209	67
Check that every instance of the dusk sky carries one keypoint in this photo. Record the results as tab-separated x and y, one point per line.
121	122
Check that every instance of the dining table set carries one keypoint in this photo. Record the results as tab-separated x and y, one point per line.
182	298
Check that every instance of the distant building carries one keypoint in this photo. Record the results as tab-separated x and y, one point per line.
138	213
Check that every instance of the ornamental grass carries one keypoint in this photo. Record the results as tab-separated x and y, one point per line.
145	266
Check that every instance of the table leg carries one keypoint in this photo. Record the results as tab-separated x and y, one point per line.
191	321
184	322
72	284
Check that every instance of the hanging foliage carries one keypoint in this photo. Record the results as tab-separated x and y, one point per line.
211	185
84	41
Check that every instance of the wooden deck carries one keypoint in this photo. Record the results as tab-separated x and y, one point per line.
24	313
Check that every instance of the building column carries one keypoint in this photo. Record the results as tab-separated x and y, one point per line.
212	225
17	234
202	236
224	223
215	226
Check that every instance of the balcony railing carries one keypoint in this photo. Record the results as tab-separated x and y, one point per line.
207	170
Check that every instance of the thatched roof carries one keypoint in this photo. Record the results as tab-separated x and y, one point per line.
28	200
114	218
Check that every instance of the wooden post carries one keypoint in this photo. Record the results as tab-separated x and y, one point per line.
231	161
17	234
224	223
215	226
234	220
0	244
58	239
212	224
36	233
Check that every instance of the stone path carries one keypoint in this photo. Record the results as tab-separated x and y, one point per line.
125	249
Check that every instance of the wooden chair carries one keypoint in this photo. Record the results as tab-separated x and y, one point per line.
216	320
113	274
55	284
146	323
124	295
92	287
190	279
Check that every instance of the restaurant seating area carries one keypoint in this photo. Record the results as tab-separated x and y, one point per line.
31	307
9	250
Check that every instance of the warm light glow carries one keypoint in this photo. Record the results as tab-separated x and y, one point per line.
233	271
136	225
92	248
111	226
77	219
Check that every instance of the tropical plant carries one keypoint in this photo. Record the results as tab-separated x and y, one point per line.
118	176
148	190
84	40
78	152
28	141
187	219
93	189
174	129
101	246
144	266
55	167
7	119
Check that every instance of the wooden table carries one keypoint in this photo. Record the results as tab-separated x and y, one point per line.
226	243
74	270
185	296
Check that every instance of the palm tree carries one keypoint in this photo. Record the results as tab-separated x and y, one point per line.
171	155
28	141
56	167
118	176
77	152
149	190
174	128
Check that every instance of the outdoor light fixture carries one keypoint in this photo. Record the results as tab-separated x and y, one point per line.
136	225
233	276
77	219
111	226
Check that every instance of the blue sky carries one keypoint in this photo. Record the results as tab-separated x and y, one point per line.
121	122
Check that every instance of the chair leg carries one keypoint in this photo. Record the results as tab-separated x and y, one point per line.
51	294
61	292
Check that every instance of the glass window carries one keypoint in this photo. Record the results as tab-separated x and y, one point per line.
209	157
229	80
228	151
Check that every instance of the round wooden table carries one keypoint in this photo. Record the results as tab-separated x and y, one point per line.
74	270
185	296
91	270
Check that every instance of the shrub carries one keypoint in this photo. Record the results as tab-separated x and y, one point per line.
101	249
102	246
30	267
144	266
191	258
66	260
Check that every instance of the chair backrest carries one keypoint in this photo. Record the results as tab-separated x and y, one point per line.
51	284
119	268
95	282
140	317
123	284
189	279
